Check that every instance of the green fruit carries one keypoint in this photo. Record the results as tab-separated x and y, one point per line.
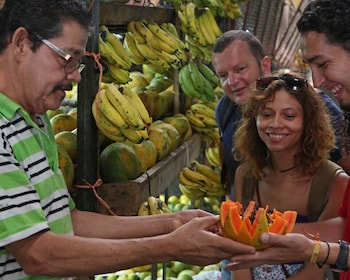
142	275
111	276
185	277
187	272
173	199
178	266
118	163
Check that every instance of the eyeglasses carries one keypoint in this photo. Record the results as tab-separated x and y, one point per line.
72	63
291	83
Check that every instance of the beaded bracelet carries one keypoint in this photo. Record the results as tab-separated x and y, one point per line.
320	265
315	252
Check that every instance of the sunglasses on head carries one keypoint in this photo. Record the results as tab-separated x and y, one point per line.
291	83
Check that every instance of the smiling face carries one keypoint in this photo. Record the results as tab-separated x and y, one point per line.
280	123
237	69
330	65
41	75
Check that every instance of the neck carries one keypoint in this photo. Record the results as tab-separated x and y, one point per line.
287	169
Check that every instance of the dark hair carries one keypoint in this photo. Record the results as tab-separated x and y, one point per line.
330	17
228	37
41	17
317	137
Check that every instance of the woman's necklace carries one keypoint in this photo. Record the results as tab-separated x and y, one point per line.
288	169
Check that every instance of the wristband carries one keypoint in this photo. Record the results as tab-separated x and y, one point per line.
315	252
320	265
342	259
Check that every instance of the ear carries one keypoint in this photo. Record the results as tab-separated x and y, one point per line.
266	66
20	42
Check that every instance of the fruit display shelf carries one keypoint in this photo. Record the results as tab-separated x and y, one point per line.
125	198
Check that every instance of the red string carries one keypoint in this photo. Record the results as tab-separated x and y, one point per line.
93	187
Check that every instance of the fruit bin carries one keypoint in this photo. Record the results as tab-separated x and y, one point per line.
125	198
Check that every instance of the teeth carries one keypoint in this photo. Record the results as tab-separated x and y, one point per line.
276	136
335	89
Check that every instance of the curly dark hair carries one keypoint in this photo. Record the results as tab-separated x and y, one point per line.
317	137
40	17
330	17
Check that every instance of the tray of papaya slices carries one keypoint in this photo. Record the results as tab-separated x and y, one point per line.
246	225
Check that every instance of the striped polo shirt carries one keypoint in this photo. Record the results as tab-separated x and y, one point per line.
33	193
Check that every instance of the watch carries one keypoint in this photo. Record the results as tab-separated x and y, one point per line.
342	259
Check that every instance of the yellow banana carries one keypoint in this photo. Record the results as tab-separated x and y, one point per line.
206	30
191	18
209	20
119	75
191	192
105	126
136	100
187	182
203	109
212	157
107	109
107	52
166	42
208	121
141	27
207	171
144	209
130	46
117	46
170	29
124	107
194	121
132	135
137	36
162	205
181	14
196	177
146	51
153	205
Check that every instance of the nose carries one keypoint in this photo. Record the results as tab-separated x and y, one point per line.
74	76
317	78
231	78
275	121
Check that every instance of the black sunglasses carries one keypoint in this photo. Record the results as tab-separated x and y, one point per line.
291	83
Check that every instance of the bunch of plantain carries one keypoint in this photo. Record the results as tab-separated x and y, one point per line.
199	180
152	206
120	114
200	28
114	57
197	80
212	154
157	45
201	116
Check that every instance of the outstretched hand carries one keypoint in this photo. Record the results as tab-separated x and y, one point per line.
284	248
202	244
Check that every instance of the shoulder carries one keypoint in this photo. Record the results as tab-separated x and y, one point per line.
331	105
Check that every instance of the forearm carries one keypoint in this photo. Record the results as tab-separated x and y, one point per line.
330	230
74	256
88	224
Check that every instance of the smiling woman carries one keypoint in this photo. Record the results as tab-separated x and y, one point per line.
284	142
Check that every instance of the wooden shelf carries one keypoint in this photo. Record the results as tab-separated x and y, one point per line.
125	198
121	15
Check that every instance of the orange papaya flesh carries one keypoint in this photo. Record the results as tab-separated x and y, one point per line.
247	226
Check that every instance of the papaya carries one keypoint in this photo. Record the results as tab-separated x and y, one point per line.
161	141
246	225
66	165
140	152
118	163
69	141
63	122
170	130
181	124
150	152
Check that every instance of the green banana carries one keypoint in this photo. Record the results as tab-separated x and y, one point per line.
186	83
197	80
124	107
209	74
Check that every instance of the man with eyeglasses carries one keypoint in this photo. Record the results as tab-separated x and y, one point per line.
239	59
42	234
